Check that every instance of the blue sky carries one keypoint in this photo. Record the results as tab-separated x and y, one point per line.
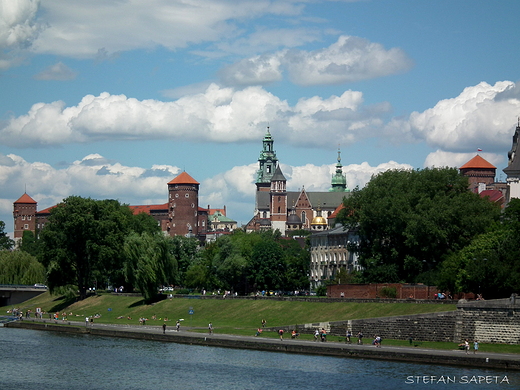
114	99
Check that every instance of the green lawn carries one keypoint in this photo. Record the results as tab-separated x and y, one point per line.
238	316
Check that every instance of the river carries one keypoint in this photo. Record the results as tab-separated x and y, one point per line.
45	360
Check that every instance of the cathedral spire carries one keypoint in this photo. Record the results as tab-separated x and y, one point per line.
339	180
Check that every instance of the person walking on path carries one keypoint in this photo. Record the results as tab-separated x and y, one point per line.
466	346
210	328
360	338
178	325
349	335
280	332
316	335
475	346
164	328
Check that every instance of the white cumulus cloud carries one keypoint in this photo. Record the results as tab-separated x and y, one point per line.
347	60
217	115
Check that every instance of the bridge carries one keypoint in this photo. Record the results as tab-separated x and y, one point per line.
14	294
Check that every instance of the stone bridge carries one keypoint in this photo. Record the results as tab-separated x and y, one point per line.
13	294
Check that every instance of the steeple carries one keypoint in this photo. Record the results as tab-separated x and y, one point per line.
267	163
339	180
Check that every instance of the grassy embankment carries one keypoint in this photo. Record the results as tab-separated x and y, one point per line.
239	316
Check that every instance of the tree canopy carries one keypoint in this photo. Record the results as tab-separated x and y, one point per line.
82	243
411	220
5	241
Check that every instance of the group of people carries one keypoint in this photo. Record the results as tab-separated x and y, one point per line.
466	346
320	334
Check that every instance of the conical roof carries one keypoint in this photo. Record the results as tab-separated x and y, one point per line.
26	199
478	162
184	178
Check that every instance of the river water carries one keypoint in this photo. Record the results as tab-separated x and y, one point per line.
46	360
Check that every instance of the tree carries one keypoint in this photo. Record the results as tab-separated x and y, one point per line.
149	263
18	267
267	267
83	243
490	264
29	243
410	221
5	242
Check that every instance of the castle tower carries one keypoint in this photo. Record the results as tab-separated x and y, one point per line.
24	214
513	167
339	180
480	173
278	195
183	205
267	163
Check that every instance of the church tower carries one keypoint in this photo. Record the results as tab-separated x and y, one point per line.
513	168
339	180
267	163
278	195
183	205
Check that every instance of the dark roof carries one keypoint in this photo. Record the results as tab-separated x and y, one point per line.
327	200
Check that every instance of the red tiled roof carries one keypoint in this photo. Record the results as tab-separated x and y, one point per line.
184	178
335	213
46	211
26	199
478	162
494	195
148	208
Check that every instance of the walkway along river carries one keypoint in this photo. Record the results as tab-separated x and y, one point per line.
444	357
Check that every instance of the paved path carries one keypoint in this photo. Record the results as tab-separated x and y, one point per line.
200	336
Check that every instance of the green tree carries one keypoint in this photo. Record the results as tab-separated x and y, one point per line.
5	242
267	267
149	263
18	267
29	243
411	220
490	264
83	243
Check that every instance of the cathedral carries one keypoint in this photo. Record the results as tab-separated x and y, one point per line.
279	209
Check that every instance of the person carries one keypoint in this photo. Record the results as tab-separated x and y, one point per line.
360	338
210	328
258	332
466	346
349	335
280	332
164	327
294	334
323	335
178	325
377	341
475	346
86	321
263	323
316	335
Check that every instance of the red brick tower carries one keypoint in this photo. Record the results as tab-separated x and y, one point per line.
480	173
183	207
24	214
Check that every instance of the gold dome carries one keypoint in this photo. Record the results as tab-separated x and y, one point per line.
319	220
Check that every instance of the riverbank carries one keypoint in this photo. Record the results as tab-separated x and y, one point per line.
288	345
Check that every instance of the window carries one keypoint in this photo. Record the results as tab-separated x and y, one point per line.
28	217
187	195
23	217
26	226
193	205
176	195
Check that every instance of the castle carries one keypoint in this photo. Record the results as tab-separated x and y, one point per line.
181	215
279	209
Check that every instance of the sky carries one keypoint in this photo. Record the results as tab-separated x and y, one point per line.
113	99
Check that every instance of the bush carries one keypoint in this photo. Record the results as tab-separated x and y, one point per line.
388	292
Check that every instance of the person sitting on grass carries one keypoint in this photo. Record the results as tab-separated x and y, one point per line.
258	332
294	334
